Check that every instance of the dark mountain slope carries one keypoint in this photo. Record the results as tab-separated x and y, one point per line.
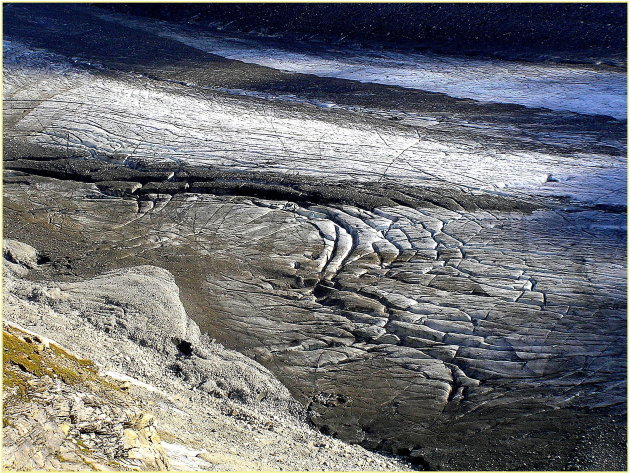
578	32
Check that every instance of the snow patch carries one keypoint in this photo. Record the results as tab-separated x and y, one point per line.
183	458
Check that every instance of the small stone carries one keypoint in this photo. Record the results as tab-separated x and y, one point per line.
39	348
212	458
54	293
211	387
38	459
141	420
387	339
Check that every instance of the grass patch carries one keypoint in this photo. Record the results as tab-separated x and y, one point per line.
25	359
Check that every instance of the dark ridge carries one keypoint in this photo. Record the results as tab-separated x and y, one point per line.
612	208
576	31
120	180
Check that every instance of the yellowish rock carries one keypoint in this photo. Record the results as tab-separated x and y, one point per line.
141	420
130	439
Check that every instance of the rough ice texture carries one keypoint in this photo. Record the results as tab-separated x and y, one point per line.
142	120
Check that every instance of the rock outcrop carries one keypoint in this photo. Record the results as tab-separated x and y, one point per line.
59	414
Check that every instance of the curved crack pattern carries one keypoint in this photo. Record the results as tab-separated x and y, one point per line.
450	305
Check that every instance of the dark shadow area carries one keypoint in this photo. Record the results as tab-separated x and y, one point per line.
578	32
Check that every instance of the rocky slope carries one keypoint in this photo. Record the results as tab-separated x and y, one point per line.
151	393
59	414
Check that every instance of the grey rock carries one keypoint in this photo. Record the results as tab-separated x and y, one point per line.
19	253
